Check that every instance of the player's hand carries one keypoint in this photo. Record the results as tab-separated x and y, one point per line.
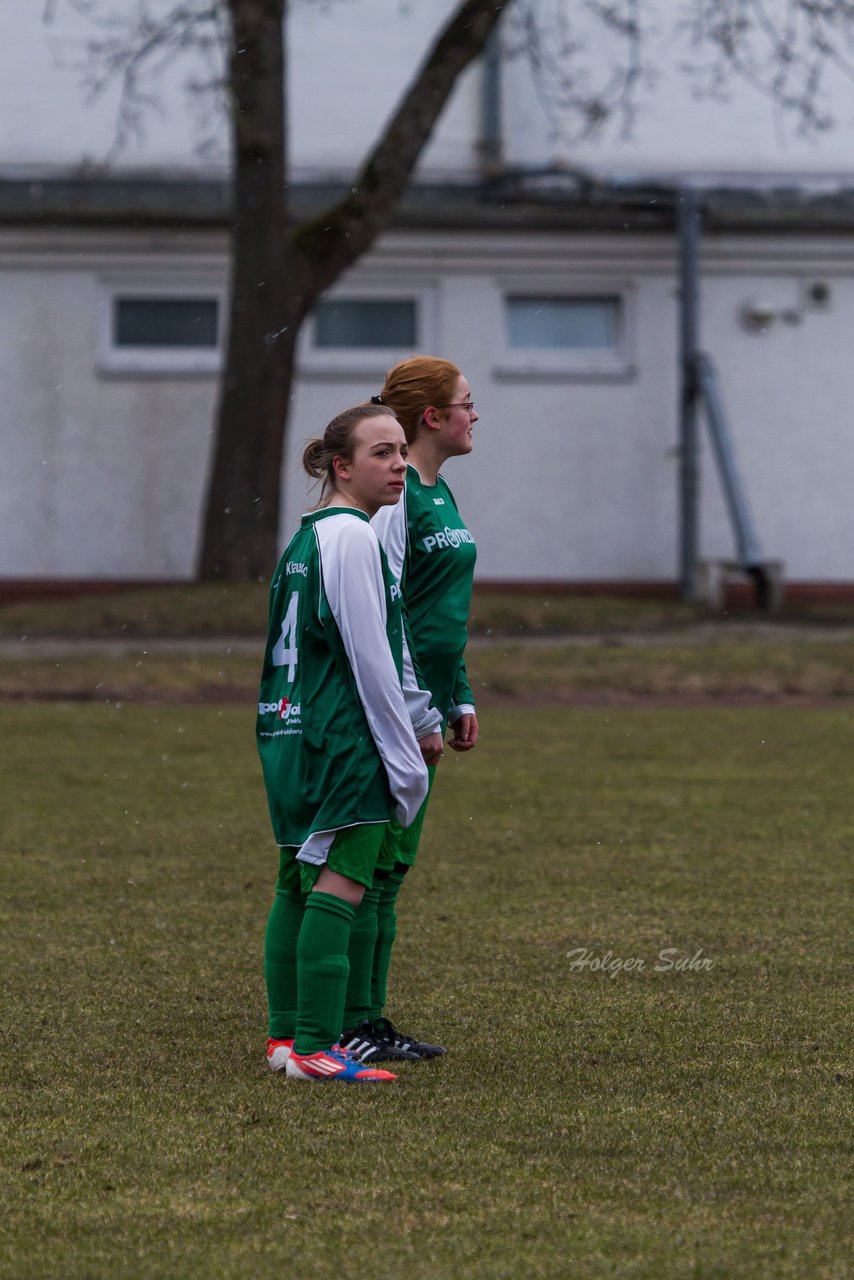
464	732
431	748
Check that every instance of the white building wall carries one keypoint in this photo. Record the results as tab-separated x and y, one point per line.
103	473
348	65
571	478
48	122
350	61
790	395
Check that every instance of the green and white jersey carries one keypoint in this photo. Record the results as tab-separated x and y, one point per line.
334	734
432	554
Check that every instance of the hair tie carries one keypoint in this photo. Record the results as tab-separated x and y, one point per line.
376	399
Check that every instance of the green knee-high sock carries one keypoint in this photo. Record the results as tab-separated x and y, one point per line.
389	888
280	962
280	949
363	941
322	970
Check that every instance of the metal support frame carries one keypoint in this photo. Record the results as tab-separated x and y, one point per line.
747	543
699	383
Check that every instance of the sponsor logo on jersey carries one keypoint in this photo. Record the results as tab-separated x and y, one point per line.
446	538
296	566
283	709
395	592
439	502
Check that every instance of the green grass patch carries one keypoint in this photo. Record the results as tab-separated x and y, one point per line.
185	609
717	665
722	666
240	609
144	672
655	1124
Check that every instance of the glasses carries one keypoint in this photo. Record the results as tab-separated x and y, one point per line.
468	405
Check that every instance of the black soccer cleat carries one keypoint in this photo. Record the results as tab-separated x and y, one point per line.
363	1044
386	1033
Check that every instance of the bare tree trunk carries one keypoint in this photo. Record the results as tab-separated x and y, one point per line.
241	523
278	275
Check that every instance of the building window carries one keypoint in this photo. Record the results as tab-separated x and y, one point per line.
160	329
165	322
366	330
366	322
562	324
578	332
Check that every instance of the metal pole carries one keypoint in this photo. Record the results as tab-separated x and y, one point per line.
491	140
689	468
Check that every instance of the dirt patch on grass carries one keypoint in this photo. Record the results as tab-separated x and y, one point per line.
235	696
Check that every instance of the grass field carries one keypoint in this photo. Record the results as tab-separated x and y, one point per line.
202	643
648	1123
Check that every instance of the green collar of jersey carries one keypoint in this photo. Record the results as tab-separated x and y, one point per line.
423	483
314	516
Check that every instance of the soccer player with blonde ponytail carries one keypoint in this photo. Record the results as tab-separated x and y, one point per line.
343	747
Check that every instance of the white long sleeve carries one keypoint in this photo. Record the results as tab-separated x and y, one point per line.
354	586
389	524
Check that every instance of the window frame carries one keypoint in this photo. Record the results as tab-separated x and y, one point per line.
114	359
368	361
592	364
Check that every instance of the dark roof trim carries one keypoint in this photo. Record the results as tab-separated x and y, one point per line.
527	202
115	200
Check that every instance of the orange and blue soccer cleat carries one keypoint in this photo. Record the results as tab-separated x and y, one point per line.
333	1064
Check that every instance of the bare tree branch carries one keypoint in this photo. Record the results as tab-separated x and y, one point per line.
587	57
786	52
330	243
132	50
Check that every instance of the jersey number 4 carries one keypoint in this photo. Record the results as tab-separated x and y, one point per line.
285	648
